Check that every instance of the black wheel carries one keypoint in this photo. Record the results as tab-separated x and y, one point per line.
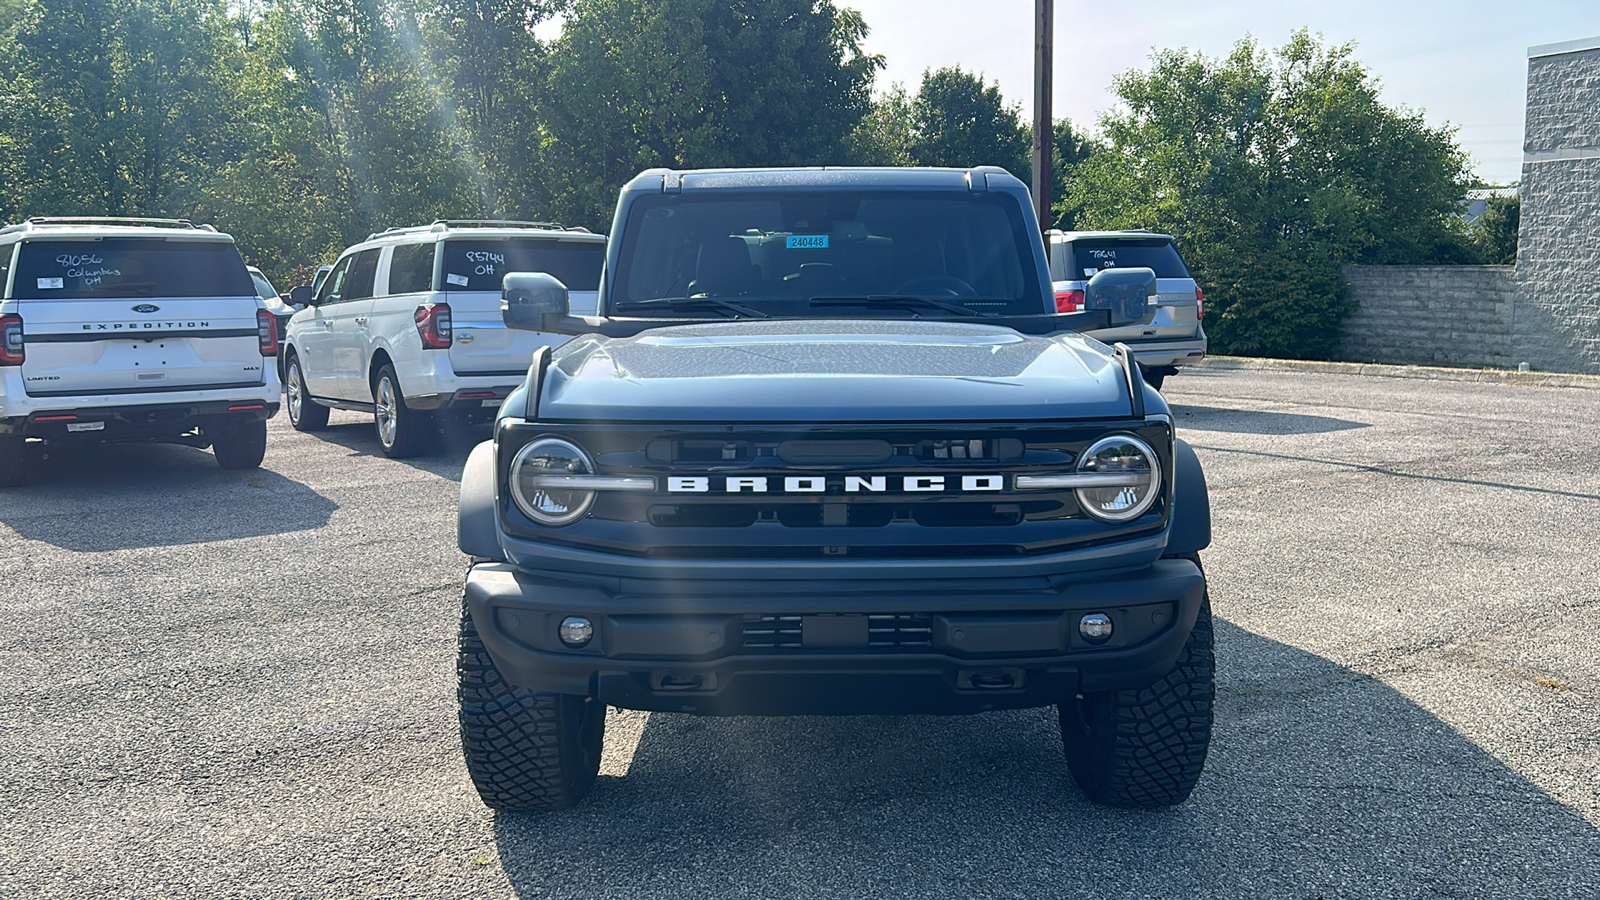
240	446
1155	376
524	750
402	431
1145	748
18	463
305	414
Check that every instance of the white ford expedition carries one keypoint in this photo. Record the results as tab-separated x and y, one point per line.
407	326
130	330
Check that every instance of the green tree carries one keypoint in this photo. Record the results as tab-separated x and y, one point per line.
490	70
1069	148
1494	231
883	136
115	107
344	136
694	83
1274	169
958	120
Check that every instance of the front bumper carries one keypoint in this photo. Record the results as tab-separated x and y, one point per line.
787	647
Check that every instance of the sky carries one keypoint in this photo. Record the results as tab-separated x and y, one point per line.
1463	62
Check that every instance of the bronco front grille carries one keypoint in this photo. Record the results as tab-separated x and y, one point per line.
884	631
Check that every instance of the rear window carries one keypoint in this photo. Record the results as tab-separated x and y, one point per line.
1092	256
480	264
130	267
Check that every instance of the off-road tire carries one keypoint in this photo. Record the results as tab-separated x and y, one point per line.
241	446
525	751
305	414
401	430
1145	748
18	463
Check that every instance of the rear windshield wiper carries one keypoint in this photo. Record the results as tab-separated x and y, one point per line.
137	287
889	301
683	302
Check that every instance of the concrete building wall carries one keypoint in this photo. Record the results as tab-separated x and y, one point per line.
1430	315
1556	323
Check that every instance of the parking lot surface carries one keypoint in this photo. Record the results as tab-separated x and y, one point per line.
241	684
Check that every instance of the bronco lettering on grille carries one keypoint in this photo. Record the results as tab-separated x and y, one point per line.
822	484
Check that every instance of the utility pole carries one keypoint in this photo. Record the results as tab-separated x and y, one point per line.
1043	122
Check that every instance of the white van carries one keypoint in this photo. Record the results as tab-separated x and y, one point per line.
131	330
407	325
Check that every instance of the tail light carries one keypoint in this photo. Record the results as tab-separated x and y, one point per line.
1069	301
1199	303
433	326
267	332
11	349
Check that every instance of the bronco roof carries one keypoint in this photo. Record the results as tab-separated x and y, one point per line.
822	178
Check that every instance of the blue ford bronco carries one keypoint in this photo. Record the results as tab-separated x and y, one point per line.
827	448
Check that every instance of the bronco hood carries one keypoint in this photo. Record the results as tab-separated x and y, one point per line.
833	371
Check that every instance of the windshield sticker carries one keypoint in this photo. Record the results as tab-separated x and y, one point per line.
1090	273
458	279
807	242
49	284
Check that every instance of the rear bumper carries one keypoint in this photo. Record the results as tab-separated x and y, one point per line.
1168	353
154	421
473	403
780	648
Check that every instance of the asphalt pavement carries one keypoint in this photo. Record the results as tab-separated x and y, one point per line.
241	684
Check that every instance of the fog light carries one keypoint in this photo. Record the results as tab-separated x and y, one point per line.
576	631
1095	628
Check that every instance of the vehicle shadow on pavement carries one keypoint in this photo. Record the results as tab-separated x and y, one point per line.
1322	782
99	498
446	459
1255	421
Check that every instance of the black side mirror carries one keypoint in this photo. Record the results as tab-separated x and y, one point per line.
1125	293
527	297
300	297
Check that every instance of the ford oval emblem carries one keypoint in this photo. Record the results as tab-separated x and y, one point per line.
147	308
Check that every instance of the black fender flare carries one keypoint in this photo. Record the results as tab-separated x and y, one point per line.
1191	503
477	529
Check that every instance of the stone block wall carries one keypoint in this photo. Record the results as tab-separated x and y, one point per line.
1556	325
1430	315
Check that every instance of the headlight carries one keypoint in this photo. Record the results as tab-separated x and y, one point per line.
1133	474
540	465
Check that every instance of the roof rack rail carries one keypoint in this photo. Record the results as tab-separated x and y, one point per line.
115	220
442	224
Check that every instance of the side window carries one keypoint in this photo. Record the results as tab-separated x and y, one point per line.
333	287
363	271
411	268
5	268
1060	253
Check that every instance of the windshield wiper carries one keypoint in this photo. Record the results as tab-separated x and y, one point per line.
682	302
138	287
881	301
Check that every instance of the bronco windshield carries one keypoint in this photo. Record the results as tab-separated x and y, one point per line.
809	253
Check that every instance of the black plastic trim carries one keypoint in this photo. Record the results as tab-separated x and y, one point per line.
163	389
123	334
1191	504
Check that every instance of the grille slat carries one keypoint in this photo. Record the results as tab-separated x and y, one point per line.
884	631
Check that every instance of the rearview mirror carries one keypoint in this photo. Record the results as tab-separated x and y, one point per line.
527	297
1125	293
300	297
